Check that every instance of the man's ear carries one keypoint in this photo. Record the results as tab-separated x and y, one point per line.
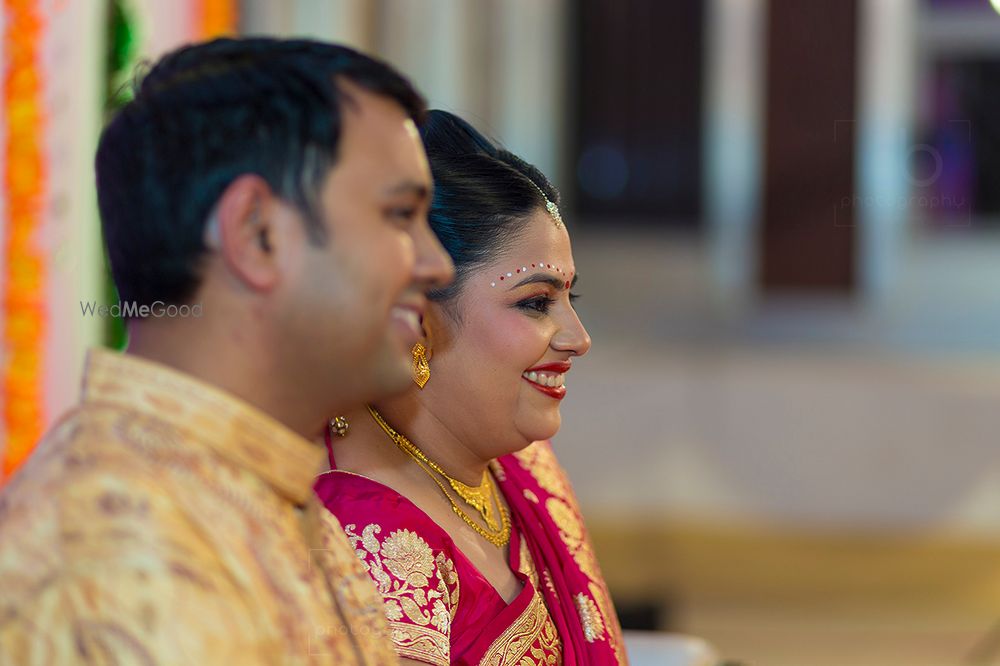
243	231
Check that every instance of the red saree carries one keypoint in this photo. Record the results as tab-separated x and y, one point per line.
441	610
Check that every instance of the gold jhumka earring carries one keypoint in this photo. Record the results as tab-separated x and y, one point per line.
421	368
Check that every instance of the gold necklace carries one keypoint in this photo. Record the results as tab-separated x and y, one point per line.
484	498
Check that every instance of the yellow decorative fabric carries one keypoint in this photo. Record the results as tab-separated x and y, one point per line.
164	521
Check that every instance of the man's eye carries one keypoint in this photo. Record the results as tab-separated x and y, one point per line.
403	216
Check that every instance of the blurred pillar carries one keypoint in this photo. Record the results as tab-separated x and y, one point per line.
528	99
443	46
885	128
733	102
163	26
809	216
501	65
349	22
76	89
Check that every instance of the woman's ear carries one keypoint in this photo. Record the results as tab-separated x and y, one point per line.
427	336
433	325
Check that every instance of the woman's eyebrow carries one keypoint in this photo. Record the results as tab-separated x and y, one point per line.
544	278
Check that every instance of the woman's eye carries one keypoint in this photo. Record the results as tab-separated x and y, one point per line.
573	297
540	304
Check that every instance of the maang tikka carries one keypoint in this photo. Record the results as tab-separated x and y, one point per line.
421	368
550	206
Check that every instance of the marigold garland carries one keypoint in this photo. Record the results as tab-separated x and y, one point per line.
214	18
25	186
24	183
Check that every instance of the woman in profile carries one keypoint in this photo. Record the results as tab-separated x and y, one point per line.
450	493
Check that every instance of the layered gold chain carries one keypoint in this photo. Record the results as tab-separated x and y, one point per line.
485	498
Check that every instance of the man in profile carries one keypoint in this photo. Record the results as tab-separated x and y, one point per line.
282	188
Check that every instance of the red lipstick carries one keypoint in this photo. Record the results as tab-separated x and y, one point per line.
559	368
557	392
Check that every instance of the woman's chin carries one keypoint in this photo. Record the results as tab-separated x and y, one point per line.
542	429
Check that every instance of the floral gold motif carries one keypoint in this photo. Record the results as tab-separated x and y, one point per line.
420	590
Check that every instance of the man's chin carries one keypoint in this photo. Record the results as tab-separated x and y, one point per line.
394	376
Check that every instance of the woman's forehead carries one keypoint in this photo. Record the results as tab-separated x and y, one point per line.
541	250
540	236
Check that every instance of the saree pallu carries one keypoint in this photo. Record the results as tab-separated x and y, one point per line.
442	610
544	509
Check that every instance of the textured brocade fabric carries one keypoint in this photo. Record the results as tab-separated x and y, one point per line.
531	640
589	594
440	609
165	522
420	589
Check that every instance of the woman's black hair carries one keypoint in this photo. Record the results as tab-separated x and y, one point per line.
483	195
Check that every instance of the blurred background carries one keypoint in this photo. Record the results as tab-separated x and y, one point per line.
786	216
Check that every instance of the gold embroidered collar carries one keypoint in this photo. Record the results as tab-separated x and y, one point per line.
209	416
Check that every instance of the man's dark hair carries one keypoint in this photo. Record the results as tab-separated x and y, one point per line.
206	114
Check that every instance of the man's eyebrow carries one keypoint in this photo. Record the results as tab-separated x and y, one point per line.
410	187
545	278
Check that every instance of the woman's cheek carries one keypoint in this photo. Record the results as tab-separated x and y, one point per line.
517	339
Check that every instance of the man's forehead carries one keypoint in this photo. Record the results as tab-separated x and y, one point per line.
411	129
361	108
378	134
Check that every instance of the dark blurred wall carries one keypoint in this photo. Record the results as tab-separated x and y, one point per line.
809	214
637	101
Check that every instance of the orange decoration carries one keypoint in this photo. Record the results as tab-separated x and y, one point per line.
214	18
24	183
